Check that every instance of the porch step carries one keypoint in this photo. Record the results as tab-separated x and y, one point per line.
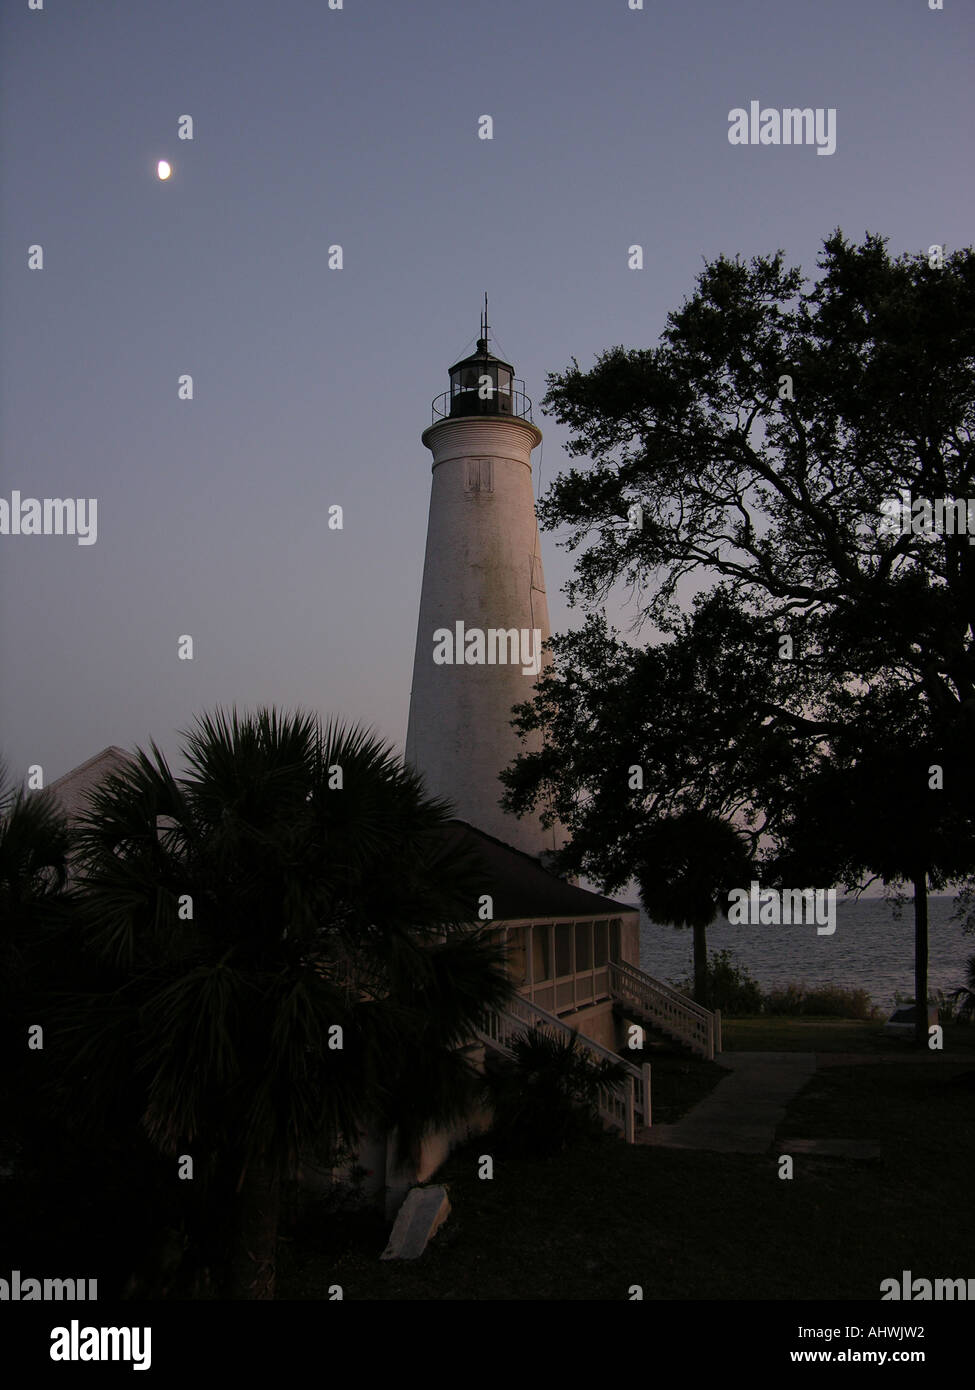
653	1028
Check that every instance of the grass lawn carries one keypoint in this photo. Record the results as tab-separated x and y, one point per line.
812	1034
689	1225
678	1082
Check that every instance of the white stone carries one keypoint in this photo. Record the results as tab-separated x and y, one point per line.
419	1218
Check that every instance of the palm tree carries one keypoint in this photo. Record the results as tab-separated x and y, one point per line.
871	808
687	864
34	845
287	927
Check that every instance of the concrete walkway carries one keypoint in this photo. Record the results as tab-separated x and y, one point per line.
742	1112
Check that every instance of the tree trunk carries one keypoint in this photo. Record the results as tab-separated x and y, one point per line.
701	965
253	1265
921	958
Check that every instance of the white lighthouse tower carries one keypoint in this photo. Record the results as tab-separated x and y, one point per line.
483	610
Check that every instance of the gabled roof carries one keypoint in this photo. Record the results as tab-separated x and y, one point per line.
72	789
521	886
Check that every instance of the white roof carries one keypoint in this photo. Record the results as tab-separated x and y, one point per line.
72	789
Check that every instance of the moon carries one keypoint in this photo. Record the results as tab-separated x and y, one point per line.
163	169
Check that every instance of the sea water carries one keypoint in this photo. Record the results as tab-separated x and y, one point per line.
872	949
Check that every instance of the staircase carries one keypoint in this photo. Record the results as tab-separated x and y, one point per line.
665	1010
623	1107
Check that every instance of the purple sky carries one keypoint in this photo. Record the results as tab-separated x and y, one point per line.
311	387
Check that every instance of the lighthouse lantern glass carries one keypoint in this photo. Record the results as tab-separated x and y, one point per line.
482	385
471	378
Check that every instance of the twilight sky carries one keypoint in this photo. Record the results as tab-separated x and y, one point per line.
359	127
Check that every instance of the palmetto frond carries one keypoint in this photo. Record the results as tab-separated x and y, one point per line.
293	883
34	848
34	845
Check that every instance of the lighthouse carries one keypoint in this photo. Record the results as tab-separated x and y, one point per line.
483	610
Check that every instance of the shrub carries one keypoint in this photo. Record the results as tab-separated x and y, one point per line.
547	1096
963	999
730	988
829	1001
949	1007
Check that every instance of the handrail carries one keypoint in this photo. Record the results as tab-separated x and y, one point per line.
687	1020
642	978
530	1011
521	405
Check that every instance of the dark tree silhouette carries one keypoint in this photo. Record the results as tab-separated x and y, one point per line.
763	450
687	865
294	883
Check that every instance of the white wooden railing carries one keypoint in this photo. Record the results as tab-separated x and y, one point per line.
667	1009
623	1106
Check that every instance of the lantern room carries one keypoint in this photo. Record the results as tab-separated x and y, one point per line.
483	384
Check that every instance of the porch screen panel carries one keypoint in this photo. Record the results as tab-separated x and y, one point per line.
517	961
563	950
583	946
542	953
600	955
585	989
543	987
